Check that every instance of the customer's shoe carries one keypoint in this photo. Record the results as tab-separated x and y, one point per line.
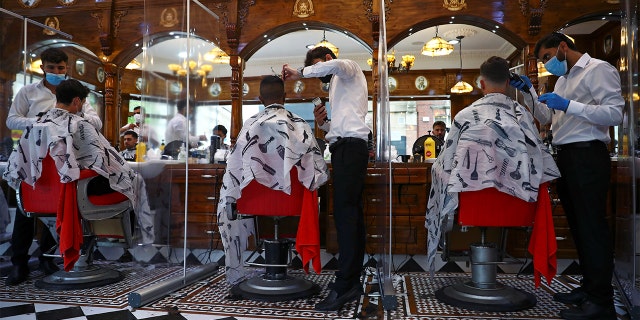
48	266
334	301
590	310
576	296
18	275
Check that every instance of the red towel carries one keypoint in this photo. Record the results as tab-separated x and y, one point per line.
68	225
308	237
542	244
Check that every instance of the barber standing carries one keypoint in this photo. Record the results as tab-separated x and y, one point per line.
347	135
585	102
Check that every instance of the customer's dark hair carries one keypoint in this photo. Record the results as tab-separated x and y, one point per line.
317	53
220	128
132	133
553	40
183	103
495	70
439	123
69	89
272	88
53	55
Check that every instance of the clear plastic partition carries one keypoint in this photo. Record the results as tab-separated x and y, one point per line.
180	96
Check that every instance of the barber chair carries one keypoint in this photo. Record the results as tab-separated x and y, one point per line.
275	284
105	218
483	292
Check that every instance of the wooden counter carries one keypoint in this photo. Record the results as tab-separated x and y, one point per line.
411	184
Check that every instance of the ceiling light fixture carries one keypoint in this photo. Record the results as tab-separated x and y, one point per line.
437	47
327	44
461	86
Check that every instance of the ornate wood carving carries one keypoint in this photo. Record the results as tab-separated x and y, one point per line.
243	11
534	14
373	14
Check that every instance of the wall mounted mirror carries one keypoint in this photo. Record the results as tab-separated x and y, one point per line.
80	67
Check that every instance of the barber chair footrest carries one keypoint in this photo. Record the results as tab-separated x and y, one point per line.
92	276
262	289
500	298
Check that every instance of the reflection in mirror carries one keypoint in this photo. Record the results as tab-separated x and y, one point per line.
80	67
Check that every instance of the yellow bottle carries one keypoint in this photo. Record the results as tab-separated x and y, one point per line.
162	146
141	151
429	148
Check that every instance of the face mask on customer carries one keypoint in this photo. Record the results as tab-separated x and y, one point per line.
555	66
54	78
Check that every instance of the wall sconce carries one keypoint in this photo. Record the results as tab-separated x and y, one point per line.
405	65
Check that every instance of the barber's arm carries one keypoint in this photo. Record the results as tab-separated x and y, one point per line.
90	114
18	119
540	111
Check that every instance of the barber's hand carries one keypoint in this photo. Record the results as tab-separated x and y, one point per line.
554	101
289	73
521	85
320	114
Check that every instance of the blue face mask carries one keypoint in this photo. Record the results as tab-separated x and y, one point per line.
55	79
557	67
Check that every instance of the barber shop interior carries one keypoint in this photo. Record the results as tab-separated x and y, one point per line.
301	159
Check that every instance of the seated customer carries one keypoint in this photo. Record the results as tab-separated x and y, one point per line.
130	143
493	143
269	145
74	144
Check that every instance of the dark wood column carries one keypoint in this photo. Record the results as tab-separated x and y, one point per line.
236	81
110	123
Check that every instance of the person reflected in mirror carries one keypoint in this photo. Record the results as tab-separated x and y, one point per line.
586	101
145	132
347	133
221	131
177	126
439	130
130	143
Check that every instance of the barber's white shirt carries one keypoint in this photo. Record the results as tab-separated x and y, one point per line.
348	97
36	98
593	86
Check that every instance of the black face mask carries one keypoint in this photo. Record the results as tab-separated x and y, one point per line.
326	79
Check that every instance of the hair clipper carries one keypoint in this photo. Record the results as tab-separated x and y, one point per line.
516	78
318	102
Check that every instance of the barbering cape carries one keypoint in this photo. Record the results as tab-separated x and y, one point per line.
269	145
493	143
74	144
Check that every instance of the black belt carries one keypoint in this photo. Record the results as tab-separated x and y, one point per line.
344	140
580	145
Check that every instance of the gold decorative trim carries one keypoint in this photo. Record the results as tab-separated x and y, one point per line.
303	8
169	17
29	3
67	2
454	5
52	22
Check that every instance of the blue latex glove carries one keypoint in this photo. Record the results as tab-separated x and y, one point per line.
554	101
523	84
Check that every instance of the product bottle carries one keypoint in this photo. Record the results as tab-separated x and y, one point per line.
141	151
429	148
162	146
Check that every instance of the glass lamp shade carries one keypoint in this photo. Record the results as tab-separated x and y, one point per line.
327	44
437	47
461	87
